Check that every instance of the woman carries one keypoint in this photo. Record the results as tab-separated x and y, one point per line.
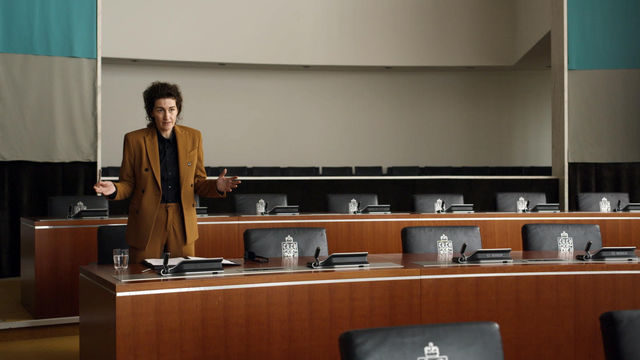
162	170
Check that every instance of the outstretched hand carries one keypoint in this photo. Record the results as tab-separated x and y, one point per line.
226	184
104	187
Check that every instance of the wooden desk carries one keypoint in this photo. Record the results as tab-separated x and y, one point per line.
545	311
52	250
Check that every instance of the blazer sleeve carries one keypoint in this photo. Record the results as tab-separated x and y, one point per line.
127	181
204	187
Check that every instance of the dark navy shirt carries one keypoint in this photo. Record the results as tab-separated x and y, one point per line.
169	171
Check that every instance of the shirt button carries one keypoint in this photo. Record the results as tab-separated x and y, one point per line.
169	186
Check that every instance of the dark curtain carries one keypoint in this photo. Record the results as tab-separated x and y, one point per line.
603	177
25	188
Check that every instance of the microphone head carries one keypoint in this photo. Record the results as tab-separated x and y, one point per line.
317	253
588	246
463	248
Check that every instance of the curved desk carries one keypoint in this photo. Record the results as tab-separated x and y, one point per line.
53	249
545	310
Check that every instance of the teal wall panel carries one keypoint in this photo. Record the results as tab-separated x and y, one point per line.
603	34
48	27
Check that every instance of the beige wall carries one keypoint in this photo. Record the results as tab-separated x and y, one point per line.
604	115
327	32
294	117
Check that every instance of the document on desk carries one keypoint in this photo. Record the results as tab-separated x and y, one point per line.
157	263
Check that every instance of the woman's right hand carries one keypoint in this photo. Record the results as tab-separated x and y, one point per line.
105	188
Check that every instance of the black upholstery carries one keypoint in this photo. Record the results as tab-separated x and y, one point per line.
266	171
368	170
245	204
110	237
301	171
231	170
424	203
468	341
620	331
590	201
58	206
111	171
339	203
267	242
506	202
423	239
337	170
544	237
403	170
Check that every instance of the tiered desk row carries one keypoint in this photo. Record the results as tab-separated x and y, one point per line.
545	310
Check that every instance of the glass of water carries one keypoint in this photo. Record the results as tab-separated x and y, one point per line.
120	259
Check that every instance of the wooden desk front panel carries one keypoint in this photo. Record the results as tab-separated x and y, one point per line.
552	316
292	321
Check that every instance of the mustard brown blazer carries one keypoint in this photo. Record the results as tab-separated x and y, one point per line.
140	180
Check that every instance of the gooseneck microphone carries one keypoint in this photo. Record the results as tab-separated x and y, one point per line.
587	254
463	257
165	263
316	261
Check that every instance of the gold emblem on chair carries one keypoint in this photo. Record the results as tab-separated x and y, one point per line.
289	247
432	352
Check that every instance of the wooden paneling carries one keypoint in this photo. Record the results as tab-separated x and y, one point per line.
544	311
98	321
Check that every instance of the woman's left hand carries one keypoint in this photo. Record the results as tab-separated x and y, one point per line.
226	184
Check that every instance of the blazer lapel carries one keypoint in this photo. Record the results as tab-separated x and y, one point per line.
151	143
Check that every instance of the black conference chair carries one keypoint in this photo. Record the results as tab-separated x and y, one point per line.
620	331
339	203
368	170
110	237
590	201
266	171
424	203
267	242
424	239
506	201
337	170
545	237
468	341
58	206
403	170
245	204
301	171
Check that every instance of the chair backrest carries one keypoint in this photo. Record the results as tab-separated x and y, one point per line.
506	201
110	237
424	203
368	170
337	170
620	331
301	171
266	171
245	204
339	203
469	341
58	206
267	242
590	201
545	237
424	239
404	170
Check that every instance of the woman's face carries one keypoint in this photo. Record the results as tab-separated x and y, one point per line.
164	114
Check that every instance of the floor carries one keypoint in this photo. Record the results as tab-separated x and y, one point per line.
39	342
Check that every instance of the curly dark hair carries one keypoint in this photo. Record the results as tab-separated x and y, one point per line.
160	90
